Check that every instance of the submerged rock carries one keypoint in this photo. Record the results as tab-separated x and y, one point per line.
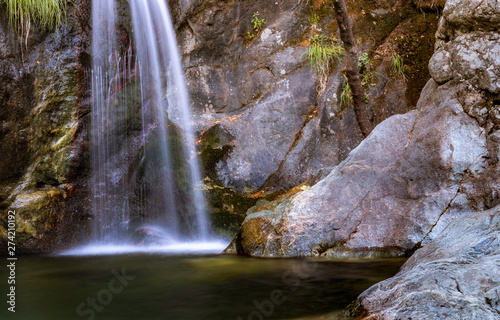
457	276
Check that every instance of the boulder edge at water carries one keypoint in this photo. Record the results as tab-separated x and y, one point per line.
457	276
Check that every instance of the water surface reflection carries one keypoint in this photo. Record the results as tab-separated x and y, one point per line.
188	287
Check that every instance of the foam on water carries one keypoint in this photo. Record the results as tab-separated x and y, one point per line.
174	248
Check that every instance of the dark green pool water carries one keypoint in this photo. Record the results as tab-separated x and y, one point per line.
186	287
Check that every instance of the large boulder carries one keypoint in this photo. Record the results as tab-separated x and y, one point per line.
457	276
415	173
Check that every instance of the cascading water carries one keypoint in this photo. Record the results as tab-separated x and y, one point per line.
157	53
146	180
107	202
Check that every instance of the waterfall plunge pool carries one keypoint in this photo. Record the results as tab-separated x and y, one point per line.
188	287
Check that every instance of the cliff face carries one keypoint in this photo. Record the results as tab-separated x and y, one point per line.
416	172
264	126
41	92
457	275
255	91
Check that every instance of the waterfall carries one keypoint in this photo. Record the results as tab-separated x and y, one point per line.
157	52
145	174
108	205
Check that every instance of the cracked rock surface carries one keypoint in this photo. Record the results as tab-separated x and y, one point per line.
417	172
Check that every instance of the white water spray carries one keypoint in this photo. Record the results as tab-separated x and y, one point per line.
168	174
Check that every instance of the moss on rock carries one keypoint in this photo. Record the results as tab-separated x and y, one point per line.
36	214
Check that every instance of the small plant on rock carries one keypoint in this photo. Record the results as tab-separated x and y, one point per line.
365	71
257	27
314	19
398	66
364	60
257	23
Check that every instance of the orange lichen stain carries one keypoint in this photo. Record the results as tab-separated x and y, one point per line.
257	195
304	43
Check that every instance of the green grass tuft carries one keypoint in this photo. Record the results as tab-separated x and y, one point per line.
398	66
346	95
322	52
46	13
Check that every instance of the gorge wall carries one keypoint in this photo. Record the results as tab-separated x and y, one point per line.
259	96
416	172
263	126
456	275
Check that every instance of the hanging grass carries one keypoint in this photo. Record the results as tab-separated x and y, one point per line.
322	52
46	13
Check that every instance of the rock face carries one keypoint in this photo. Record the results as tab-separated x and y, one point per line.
260	91
40	120
416	172
457	276
264	126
